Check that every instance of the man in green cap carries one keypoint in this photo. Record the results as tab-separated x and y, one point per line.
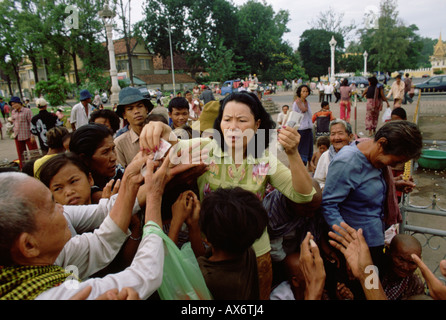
134	108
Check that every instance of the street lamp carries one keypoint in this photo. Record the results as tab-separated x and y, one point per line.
365	62
332	44
171	56
107	16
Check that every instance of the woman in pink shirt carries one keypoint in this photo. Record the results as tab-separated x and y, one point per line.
345	103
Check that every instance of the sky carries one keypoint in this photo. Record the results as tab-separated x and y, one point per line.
428	15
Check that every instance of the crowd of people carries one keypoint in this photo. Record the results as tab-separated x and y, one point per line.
92	218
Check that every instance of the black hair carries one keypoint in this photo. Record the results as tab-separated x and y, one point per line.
259	112
403	138
53	165
156	117
373	81
324	103
178	103
87	138
232	219
112	117
299	89
323	141
400	112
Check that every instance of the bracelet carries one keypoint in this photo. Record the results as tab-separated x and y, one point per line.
135	239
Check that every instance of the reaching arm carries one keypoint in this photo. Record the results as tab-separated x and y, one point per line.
356	251
289	138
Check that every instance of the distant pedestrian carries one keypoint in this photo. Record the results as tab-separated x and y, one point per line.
2	108
345	105
42	122
328	91
320	86
375	97
21	118
397	91
80	114
407	88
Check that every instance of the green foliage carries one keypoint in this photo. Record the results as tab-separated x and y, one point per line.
315	51
221	64
55	90
393	46
438	72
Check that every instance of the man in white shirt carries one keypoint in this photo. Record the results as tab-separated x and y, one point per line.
320	86
40	250
80	114
328	91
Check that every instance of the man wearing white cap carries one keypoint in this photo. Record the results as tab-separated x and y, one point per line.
42	122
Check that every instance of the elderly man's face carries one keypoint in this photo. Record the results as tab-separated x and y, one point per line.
52	229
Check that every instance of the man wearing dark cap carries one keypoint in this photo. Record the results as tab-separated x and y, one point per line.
134	108
81	111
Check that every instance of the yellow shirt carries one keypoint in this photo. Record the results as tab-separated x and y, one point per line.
253	175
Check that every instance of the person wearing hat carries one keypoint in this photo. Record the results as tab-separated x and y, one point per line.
42	122
21	119
81	111
134	108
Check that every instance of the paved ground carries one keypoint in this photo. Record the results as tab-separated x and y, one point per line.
429	182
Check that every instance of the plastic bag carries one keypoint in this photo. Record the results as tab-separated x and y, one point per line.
387	115
182	277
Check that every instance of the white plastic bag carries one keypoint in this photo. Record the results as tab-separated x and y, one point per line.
387	115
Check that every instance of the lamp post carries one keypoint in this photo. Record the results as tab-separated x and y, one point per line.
171	56
332	44
107	16
365	63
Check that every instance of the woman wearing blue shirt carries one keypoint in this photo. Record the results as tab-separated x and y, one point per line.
356	190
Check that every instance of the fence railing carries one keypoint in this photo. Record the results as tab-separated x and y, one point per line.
428	106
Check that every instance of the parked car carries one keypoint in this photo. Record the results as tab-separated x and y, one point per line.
434	84
425	76
361	82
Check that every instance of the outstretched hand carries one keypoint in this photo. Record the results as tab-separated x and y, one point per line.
437	289
312	267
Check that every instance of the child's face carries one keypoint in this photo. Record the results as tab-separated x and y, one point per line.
285	110
322	148
179	117
71	186
327	107
402	263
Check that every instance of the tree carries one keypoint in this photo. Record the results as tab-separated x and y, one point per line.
392	46
315	50
332	21
54	90
126	30
260	39
221	63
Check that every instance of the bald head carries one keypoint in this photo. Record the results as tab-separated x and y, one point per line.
405	241
16	211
